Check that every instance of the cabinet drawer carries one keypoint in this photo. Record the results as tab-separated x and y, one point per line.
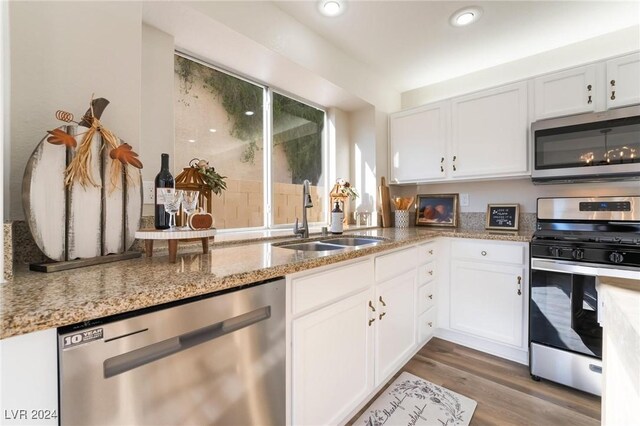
489	251
426	272
426	297
427	252
394	264
316	289
426	325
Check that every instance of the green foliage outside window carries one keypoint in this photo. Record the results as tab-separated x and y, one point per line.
303	149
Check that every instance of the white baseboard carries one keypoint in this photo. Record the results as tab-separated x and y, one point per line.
503	351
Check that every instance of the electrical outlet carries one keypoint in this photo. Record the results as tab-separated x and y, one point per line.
464	200
148	189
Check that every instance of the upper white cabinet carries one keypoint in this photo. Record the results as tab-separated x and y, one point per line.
418	143
623	81
489	133
565	93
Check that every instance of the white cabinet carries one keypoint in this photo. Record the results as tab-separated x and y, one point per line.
29	365
482	303
564	93
332	362
426	299
418	143
623	81
489	133
487	300
395	323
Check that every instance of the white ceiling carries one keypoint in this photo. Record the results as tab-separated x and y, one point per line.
411	43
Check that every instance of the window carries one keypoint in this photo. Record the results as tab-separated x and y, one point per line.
223	119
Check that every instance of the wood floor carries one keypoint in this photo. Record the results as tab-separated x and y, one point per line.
504	391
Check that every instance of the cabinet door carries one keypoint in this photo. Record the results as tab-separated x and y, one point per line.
489	133
565	93
396	321
332	360
484	300
623	81
418	140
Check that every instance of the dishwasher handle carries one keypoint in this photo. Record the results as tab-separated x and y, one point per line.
128	361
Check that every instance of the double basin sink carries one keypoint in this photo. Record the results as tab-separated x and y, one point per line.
331	243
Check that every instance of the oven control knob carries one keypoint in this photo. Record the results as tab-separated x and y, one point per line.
577	254
555	251
616	257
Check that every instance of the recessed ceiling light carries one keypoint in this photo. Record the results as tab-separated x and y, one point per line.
466	16
331	7
212	130
191	140
248	113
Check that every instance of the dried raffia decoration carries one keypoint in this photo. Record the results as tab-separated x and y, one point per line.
79	167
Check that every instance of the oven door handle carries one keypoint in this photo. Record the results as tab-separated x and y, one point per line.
559	266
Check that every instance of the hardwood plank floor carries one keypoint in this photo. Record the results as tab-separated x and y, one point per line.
503	389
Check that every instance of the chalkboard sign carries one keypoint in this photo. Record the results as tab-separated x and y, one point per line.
502	216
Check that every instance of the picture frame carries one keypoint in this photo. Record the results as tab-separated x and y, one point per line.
502	217
437	210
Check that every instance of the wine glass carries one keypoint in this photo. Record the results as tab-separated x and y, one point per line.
189	202
172	199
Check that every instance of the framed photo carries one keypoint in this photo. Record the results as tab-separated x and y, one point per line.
437	210
503	217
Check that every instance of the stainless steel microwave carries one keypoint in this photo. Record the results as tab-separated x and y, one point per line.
587	147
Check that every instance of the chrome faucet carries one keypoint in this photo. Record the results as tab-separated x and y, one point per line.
303	231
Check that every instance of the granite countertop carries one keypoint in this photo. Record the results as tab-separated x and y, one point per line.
34	301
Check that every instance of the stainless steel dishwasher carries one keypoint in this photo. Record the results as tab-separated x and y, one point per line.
217	360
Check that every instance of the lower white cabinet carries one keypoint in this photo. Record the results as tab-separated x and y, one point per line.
487	300
332	360
395	323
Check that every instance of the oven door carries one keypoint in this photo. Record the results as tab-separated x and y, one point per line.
563	307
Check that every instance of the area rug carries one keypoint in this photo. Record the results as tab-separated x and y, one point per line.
413	401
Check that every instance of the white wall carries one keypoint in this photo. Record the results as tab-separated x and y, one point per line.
62	53
363	137
608	45
520	191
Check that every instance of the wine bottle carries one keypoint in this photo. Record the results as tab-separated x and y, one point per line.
164	179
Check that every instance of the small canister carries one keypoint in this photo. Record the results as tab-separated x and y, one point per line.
402	218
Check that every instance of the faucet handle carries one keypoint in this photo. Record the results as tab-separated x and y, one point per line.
296	229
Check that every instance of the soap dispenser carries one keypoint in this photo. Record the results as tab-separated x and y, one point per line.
337	217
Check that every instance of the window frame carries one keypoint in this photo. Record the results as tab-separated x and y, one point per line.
267	158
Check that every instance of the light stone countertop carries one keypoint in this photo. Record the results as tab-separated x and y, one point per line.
34	301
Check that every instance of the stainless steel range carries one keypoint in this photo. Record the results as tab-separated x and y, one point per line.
577	240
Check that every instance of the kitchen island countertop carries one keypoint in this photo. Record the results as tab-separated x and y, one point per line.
34	301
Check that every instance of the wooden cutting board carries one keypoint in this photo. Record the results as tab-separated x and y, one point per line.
385	203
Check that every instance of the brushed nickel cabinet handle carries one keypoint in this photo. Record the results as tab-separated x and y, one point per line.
381	315
454	163
430	273
431	296
382	301
371	321
589	90
430	324
431	251
371	306
441	164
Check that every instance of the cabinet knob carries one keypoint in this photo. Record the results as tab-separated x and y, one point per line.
371	306
430	324
382	301
484	253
